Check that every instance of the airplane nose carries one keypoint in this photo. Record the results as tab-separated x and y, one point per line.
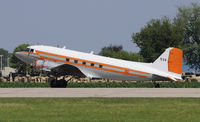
18	55
22	56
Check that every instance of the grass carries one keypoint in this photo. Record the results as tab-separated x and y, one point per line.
100	109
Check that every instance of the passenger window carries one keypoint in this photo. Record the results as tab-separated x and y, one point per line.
84	63
92	64
100	66
75	61
67	59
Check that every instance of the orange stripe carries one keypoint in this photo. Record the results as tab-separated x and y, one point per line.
126	70
92	67
27	52
92	62
40	66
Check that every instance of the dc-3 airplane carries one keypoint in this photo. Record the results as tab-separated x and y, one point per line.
63	61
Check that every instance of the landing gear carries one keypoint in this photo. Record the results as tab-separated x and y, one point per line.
156	85
54	83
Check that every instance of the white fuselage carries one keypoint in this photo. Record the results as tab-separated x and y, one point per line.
94	66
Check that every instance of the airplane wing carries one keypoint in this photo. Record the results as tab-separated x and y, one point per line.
67	69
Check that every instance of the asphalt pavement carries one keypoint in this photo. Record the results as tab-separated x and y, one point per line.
100	92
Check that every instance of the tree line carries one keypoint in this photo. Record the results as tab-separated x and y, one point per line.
182	31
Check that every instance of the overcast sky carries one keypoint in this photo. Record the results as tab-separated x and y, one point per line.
83	25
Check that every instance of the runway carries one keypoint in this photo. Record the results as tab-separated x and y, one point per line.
100	92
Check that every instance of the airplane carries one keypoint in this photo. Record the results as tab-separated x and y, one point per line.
62	61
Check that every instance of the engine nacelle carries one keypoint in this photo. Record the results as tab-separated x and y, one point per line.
40	65
45	65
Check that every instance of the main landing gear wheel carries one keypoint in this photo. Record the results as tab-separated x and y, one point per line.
54	83
156	85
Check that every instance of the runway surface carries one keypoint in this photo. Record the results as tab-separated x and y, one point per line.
100	92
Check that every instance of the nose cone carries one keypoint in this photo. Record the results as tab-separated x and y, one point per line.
18	55
22	56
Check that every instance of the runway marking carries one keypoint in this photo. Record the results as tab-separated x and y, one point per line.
101	92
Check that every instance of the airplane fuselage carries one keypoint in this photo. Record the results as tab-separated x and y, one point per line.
91	65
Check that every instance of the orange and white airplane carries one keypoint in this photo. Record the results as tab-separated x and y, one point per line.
64	61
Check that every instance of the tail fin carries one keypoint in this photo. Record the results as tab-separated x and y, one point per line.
170	61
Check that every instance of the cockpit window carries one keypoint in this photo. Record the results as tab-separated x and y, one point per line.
27	49
32	50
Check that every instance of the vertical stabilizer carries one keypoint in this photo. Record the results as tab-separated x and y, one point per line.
170	61
175	61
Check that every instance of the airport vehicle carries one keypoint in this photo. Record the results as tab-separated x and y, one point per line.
61	61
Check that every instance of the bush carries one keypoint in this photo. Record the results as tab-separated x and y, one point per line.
105	85
134	85
23	85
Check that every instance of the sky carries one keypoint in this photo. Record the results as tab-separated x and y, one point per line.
82	25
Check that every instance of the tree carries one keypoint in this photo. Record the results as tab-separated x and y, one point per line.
110	50
18	64
118	52
5	57
188	20
155	37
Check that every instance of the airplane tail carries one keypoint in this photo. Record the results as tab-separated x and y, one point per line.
170	62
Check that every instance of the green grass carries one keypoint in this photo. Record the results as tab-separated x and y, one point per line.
100	109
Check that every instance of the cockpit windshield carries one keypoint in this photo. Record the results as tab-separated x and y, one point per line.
29	50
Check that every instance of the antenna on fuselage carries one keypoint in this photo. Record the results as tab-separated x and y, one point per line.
64	47
92	52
